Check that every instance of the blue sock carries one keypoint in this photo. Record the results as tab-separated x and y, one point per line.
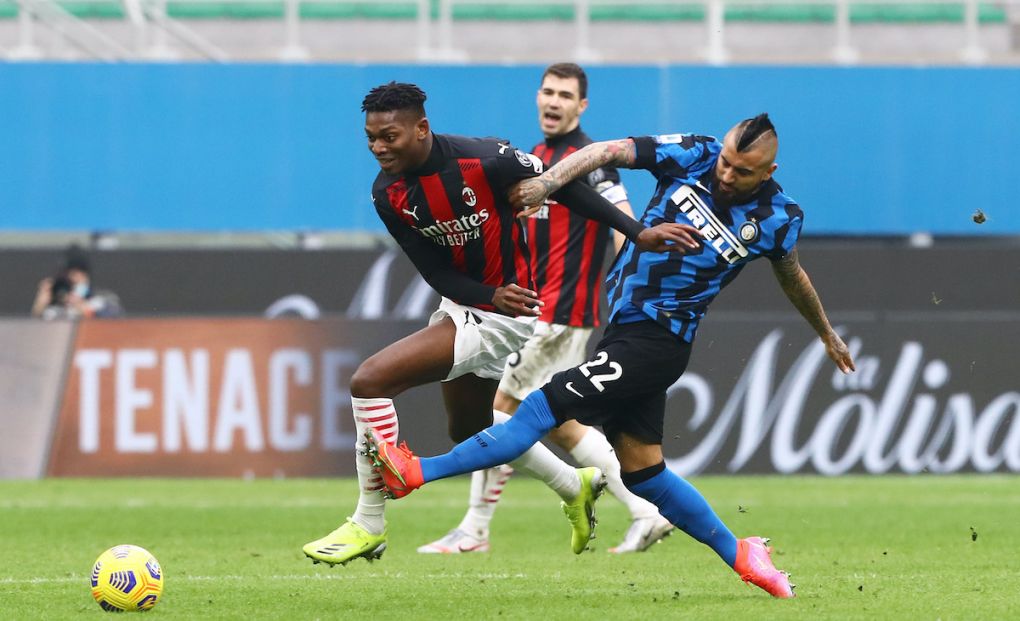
496	445
683	505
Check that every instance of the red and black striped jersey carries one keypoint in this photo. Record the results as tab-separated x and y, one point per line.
568	250
453	219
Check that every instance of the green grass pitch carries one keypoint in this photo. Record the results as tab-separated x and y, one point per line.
858	547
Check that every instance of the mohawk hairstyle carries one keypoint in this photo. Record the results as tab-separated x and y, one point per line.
752	129
395	96
570	70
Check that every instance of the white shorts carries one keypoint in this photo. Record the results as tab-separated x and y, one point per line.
484	339
552	349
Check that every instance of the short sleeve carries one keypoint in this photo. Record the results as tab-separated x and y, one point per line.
680	156
786	235
514	164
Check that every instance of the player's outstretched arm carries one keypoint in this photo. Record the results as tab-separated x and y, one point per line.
616	153
618	237
665	237
798	288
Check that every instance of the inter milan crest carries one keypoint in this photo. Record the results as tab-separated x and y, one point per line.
469	196
749	232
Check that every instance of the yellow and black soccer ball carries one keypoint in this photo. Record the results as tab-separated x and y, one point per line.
126	578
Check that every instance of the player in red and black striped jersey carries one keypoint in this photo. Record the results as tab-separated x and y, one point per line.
568	252
452	213
445	200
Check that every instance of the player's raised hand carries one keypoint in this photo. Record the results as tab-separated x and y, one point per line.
668	237
516	301
529	194
839	353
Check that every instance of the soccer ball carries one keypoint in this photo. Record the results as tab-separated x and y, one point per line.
126	578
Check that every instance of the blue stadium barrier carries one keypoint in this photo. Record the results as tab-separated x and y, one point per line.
253	147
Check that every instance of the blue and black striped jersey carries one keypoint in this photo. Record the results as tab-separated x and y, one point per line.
675	289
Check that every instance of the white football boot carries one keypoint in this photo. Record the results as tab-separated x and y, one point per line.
643	534
457	541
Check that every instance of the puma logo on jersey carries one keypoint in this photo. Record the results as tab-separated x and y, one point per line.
412	212
709	226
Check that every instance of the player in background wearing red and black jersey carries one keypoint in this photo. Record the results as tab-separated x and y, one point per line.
567	254
445	200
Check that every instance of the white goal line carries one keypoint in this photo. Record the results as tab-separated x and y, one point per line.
303	577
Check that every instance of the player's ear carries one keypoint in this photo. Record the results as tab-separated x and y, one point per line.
772	170
421	128
582	105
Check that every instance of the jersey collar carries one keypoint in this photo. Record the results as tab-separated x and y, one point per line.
564	138
435	160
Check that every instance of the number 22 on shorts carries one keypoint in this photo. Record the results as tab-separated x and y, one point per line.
598	380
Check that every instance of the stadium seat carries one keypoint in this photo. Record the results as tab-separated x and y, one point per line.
890	12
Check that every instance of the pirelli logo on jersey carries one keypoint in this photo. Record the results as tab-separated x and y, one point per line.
711	228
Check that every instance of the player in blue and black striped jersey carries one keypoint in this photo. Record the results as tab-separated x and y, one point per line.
739	220
725	190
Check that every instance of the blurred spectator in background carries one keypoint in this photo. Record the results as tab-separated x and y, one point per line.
69	294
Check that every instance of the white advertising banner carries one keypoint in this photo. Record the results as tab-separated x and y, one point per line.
33	356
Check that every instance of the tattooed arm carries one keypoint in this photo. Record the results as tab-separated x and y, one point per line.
798	288
615	153
585	201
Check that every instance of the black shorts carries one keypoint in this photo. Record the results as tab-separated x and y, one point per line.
622	387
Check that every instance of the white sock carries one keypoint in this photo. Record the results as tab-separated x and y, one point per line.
378	414
595	450
486	487
540	463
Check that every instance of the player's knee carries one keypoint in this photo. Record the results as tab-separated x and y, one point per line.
562	440
567	435
632	461
633	453
505	403
370	381
627	462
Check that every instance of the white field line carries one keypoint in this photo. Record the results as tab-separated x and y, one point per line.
328	577
287	503
531	503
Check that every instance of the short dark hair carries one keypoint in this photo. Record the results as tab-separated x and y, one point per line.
752	129
569	70
393	97
61	286
76	259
